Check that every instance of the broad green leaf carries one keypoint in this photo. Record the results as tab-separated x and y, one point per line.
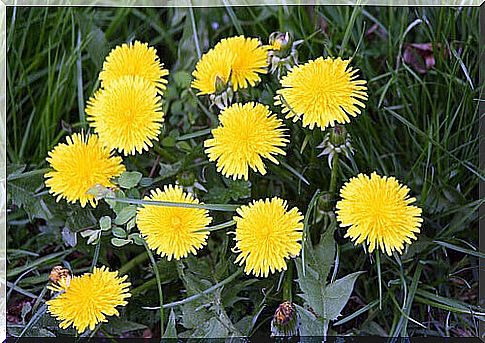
117	326
105	223
310	325
119	242
125	214
169	170
182	79
129	179
118	232
337	294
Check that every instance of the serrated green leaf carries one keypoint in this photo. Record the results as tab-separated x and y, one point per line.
129	180
182	79
310	325
169	170
125	215
22	193
324	254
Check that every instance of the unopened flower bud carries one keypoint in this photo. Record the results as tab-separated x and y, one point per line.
336	141
285	320
220	85
280	41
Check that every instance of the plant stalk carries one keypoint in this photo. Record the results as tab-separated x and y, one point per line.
159	285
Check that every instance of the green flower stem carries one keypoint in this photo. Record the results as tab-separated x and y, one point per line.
212	207
198	295
96	254
218	226
379	277
133	263
333	177
164	154
288	283
159	284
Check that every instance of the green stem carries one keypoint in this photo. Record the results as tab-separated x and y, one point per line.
159	284
96	254
333	177
287	284
378	262
218	226
212	207
198	295
133	263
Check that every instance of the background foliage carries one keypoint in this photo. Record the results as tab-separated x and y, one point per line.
419	125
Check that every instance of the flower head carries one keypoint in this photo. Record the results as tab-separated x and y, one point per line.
127	115
250	60
89	299
234	60
267	234
322	92
134	59
78	166
212	71
246	134
173	231
377	210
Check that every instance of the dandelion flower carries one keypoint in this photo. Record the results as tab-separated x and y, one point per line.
134	59
214	67
377	210
250	60
79	165
127	115
173	231
246	134
322	92
89	299
266	234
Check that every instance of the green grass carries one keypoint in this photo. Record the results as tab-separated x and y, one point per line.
421	128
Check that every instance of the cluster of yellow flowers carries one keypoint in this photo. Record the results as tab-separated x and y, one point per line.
126	115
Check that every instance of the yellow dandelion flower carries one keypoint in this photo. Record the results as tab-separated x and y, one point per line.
79	165
377	210
322	92
267	234
127	115
213	66
173	231
134	59
89	299
246	134
250	60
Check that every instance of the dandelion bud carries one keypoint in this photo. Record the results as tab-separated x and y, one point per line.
220	85
280	41
285	320
336	141
282	55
